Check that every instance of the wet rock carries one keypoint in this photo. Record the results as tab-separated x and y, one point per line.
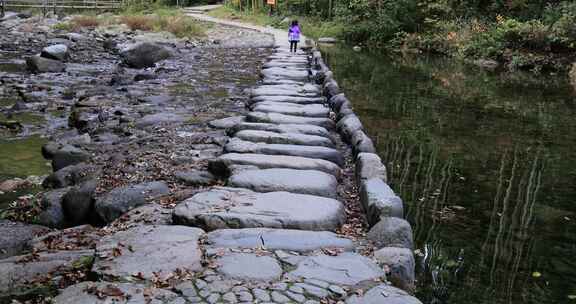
37	64
71	175
391	232
400	262
145	54
228	122
120	200
15	236
19	271
383	294
282	128
244	266
284	138
277	239
368	166
68	155
310	110
222	208
221	165
56	52
118	293
345	269
52	214
290	180
278	118
78	203
379	200
130	252
195	177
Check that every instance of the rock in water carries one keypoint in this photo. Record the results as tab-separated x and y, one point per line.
142	55
56	52
37	64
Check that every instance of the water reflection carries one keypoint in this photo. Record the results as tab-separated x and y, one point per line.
485	164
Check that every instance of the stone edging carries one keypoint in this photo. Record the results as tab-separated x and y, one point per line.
384	210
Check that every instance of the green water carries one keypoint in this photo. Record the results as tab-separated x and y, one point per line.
486	165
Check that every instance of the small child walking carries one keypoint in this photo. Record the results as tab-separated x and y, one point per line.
294	36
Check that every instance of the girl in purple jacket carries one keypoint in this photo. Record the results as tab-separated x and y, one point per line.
294	36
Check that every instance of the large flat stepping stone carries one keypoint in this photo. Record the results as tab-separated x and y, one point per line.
290	99
277	239
222	208
349	269
283	90
293	74
290	180
284	128
284	138
221	165
305	88
278	81
312	110
383	294
148	252
249	267
236	145
282	64
278	118
117	293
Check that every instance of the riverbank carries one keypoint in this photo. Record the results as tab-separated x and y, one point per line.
172	183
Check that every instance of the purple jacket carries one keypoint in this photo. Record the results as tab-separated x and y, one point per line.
294	33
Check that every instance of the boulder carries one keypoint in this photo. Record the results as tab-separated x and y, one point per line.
222	208
391	232
78	203
113	204
150	251
56	52
383	294
37	64
277	239
379	200
278	118
195	177
221	165
118	293
71	175
368	166
348	125
284	138
400	263
52	214
290	180
331	88
14	237
361	143
68	155
144	54
338	101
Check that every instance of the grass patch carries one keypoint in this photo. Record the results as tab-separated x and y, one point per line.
138	22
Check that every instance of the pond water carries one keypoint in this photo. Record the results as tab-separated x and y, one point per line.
486	165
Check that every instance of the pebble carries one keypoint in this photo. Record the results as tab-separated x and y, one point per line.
261	295
279	298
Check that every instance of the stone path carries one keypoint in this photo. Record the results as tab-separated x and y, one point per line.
268	235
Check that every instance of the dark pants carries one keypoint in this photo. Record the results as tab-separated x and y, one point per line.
293	45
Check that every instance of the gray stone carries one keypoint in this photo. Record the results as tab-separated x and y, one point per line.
337	290
245	296
383	294
220	166
120	200
160	118
14	237
236	145
331	88
195	177
277	239
348	125
37	64
51	214
213	298
228	122
328	40
88	293
295	296
379	200
290	180
56	52
142	55
308	90
229	297
284	138
149	250
312	110
18	271
78	203
156	99
314	291
391	232
319	283
361	143
279	298
346	269
244	266
278	118
336	102
149	214
70	176
290	99
261	295
296	289
400	262
222	208
286	73
68	155
368	166
283	128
